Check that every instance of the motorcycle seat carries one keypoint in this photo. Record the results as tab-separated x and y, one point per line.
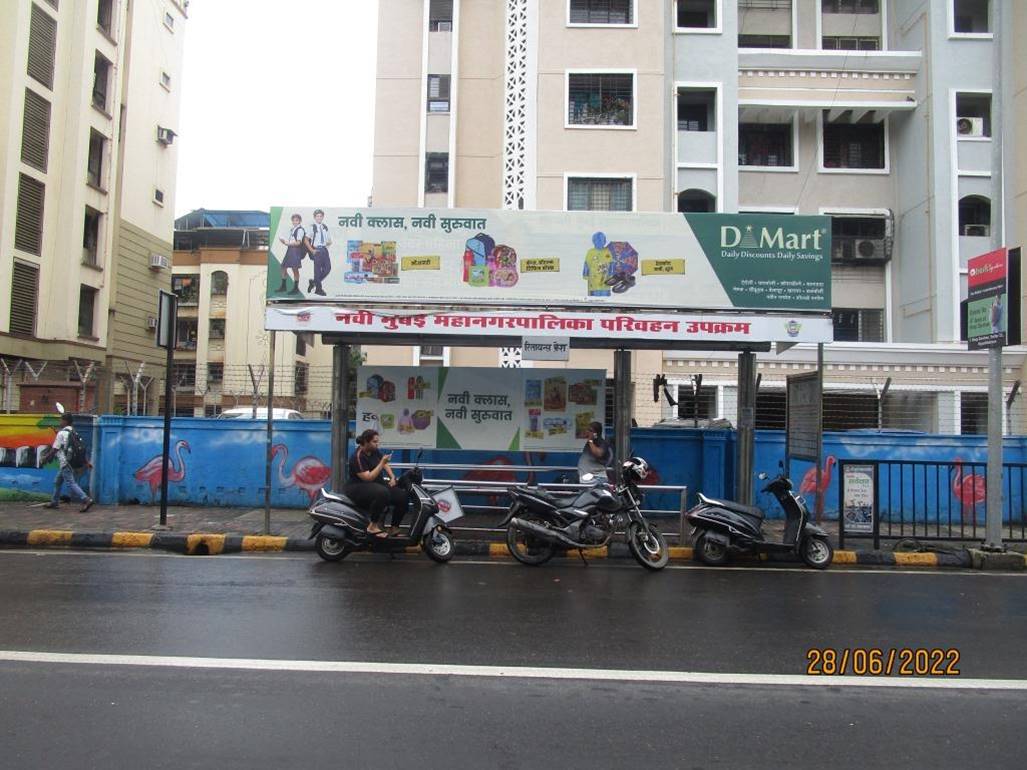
748	510
557	501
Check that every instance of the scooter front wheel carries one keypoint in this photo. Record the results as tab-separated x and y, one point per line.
438	545
648	546
711	552
816	552
331	549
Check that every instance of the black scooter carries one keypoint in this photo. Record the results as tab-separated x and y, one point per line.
340	527
720	526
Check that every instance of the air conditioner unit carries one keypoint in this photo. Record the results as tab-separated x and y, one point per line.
970	126
868	249
151	322
445	26
977	231
165	135
159	262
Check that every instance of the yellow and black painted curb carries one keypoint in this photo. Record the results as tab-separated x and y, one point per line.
211	544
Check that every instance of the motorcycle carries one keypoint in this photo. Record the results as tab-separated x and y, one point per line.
340	527
722	526
539	522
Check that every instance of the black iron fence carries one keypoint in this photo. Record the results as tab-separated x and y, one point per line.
897	499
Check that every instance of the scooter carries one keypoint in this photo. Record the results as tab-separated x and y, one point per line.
539	522
340	527
723	526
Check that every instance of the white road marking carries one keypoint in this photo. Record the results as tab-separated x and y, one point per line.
507	672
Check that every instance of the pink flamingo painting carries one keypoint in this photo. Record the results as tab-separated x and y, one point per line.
495	470
809	484
151	472
970	490
308	473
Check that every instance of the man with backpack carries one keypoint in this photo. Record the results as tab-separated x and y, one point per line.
70	451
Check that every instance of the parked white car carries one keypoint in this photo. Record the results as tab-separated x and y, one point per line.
246	413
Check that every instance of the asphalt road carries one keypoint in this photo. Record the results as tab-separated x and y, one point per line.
184	707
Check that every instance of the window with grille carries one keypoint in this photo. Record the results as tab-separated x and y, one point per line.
302	378
859	239
705	400
24	298
187	288
186	331
183	375
35	131
91	237
764	41
850	6
431	355
218	283
42	46
438	93
973	412
834	43
697	14
86	311
858	325
599	194
440	15
94	162
105	16
971	16
216	330
215	373
853	145
765	144
101	81
969	106
436	172
696	109
602	12
28	223
600	99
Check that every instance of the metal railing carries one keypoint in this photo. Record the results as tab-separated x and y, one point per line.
927	500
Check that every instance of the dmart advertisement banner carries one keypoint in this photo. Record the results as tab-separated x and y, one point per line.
479	408
552	258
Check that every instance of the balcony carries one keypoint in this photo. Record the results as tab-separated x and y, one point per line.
697	146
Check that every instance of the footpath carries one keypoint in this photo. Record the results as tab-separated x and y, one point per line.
198	530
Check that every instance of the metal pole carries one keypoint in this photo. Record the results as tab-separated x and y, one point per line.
340	414
270	436
746	426
168	364
820	431
993	522
622	404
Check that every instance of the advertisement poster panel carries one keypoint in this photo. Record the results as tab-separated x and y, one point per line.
858	498
483	257
987	300
474	408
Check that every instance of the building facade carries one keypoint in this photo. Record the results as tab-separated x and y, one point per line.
900	119
88	119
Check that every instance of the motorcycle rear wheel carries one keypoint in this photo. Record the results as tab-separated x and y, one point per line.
527	548
711	552
331	549
648	546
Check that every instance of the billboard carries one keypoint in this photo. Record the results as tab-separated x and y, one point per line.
588	259
987	300
479	407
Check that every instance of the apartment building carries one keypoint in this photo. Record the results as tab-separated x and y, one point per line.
899	119
88	119
223	352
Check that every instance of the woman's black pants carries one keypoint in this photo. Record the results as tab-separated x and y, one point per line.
373	498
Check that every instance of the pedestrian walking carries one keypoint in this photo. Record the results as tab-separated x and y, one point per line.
320	240
70	451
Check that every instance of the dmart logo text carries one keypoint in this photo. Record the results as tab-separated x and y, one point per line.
768	238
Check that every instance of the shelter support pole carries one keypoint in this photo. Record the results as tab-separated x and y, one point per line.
622	405
269	453
746	427
340	413
993	511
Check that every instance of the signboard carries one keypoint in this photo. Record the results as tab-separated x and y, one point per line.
987	300
479	408
476	257
858	498
167	319
622	327
803	417
546	349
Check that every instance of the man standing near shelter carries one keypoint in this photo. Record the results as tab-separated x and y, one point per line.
320	240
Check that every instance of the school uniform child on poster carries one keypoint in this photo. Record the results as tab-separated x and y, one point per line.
320	240
296	248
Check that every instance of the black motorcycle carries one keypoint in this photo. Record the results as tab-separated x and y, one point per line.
722	526
539	522
340	527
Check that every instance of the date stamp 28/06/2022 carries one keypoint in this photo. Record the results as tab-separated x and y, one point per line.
882	661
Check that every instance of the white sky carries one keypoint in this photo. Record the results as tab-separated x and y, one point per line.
277	104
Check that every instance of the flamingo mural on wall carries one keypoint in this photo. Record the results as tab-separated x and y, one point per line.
970	490
308	474
809	484
151	472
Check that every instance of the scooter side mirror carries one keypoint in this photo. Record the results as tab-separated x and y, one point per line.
762	476
587	478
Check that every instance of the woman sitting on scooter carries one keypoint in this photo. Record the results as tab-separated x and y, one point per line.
372	485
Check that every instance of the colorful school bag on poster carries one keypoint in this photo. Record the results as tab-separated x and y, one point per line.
503	267
476	253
